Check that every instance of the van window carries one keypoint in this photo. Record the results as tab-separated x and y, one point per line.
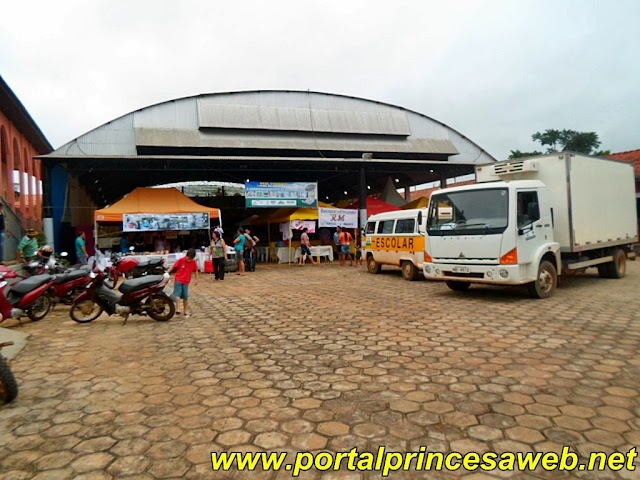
406	225
371	228
385	226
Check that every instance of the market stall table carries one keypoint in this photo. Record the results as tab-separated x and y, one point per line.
317	251
171	258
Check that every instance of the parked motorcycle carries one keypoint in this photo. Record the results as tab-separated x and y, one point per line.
8	384
29	296
67	286
148	295
48	262
130	267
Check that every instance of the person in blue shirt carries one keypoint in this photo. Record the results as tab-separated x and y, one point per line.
81	249
239	246
124	244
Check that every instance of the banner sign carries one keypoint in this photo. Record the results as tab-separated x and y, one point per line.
149	222
276	195
297	225
337	217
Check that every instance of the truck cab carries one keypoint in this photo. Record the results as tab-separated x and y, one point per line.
492	233
529	221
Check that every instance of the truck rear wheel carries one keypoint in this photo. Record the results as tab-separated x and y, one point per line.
546	281
458	286
615	269
372	265
409	271
618	267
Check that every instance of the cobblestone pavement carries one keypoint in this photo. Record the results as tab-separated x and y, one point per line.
329	358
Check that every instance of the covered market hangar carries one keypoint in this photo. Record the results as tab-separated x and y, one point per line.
350	146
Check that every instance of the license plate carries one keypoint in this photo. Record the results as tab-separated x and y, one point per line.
461	269
167	291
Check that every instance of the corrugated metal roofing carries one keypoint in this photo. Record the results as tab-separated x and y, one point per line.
194	138
261	117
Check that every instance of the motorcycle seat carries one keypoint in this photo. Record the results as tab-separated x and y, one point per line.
67	277
110	296
152	262
28	285
130	286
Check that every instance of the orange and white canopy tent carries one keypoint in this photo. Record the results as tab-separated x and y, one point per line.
153	200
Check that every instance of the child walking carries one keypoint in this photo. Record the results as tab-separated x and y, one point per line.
184	268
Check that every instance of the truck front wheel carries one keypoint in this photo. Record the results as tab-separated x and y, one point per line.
546	281
458	286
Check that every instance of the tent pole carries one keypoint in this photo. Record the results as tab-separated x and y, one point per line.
95	235
290	240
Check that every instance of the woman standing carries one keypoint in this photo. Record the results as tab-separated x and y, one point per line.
239	246
218	255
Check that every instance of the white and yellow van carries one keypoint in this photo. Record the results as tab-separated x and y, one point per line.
396	238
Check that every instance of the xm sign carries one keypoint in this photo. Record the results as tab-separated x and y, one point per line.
337	217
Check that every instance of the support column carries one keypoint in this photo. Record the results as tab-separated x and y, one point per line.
443	180
407	192
363	199
47	205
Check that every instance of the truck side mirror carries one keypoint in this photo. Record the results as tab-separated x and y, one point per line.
419	229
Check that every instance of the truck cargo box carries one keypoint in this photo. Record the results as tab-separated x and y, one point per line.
594	199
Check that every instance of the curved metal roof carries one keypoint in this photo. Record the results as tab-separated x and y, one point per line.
271	135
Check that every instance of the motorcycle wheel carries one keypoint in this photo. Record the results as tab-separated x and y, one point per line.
160	307
40	309
8	384
85	311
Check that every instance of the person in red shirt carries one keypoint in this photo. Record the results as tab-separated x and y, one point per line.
184	268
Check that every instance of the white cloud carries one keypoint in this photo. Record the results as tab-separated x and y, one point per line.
496	70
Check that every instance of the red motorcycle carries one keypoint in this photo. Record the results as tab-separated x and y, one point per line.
148	295
8	384
67	286
130	267
29	296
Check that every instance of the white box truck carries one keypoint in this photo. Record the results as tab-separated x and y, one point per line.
526	221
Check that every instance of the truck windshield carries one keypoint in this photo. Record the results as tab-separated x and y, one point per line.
470	212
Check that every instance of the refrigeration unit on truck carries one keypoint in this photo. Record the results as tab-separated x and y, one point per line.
529	220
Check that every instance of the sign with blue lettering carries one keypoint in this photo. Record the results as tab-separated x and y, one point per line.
285	194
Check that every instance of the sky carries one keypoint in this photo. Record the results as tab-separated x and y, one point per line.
495	70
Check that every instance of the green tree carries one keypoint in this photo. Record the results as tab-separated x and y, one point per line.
519	154
563	140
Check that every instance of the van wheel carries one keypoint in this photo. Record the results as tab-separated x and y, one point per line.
458	286
372	265
409	271
546	281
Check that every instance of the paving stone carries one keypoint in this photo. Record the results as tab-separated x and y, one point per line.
271	440
94	461
147	401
